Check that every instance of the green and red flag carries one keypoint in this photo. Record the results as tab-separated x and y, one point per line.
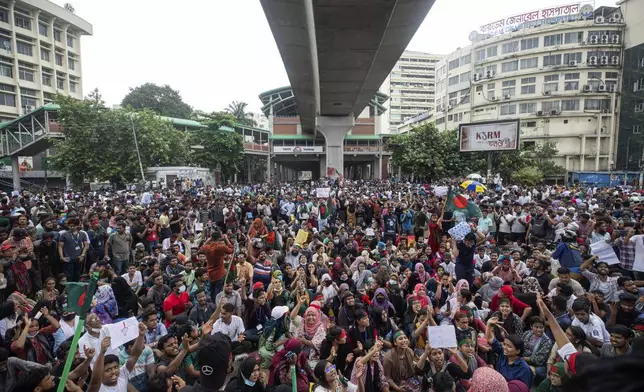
79	296
458	202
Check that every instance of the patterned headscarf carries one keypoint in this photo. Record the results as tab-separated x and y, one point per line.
311	329
486	379
531	286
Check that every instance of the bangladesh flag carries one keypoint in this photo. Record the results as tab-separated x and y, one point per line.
458	202
79	296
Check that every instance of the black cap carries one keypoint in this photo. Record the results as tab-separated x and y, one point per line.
213	356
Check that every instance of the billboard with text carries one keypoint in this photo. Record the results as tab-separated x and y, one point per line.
489	136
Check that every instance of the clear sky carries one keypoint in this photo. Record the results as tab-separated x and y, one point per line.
218	51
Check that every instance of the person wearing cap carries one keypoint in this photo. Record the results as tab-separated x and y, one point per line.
214	357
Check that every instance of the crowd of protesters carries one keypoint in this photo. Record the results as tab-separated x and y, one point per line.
270	287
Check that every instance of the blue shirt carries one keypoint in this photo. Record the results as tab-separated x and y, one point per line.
518	370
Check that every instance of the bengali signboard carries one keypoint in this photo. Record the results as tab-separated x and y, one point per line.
352	148
489	136
557	14
298	149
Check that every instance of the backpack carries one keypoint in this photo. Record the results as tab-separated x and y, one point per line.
538	227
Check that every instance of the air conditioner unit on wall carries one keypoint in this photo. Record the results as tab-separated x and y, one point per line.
586	88
547	92
507	97
540	113
615	39
601	87
489	73
599	19
612	88
603	60
614	60
604	39
477	77
554	112
572	63
592	60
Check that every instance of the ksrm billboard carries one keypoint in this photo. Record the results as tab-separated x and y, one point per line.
489	136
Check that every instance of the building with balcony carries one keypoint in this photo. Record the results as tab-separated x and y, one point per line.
297	155
410	87
40	55
560	75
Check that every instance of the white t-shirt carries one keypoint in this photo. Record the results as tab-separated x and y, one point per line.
233	329
121	384
594	329
638	240
88	341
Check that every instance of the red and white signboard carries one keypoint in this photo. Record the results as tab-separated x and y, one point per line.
489	136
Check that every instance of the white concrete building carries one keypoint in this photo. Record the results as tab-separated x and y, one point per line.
410	87
559	78
40	55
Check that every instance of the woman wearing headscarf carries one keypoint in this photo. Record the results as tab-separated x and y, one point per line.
249	378
399	366
422	275
310	331
347	312
381	302
274	334
361	275
489	290
486	379
335	348
259	233
420	293
384	325
106	307
280	369
125	298
556	377
368	371
411	315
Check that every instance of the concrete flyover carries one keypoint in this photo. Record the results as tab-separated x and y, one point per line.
337	53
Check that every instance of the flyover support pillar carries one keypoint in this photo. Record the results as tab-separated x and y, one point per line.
334	130
15	172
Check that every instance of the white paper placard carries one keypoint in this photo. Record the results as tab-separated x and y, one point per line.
370	232
459	231
322	192
443	336
605	252
122	332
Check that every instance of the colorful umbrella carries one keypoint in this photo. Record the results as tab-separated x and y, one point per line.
473	186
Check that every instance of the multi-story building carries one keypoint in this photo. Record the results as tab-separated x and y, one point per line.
558	72
40	55
410	87
630	146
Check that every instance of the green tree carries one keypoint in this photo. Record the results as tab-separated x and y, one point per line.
161	99
528	176
238	111
99	142
220	146
541	155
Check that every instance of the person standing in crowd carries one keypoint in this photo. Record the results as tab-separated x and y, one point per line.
72	249
216	250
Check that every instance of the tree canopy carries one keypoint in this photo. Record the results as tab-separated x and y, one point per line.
428	153
99	141
238	111
162	100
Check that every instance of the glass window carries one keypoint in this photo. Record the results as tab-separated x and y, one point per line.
60	82
464	77
570	105
491	88
7	99
43	29
574	37
24	48
554	59
529	43
527	108
491	51
529	63
452	99
510	66
453	64
71	63
551	78
491	68
453	80
571	76
555	39
612	75
4	15
508	110
480	55
72	86
509	88
44	54
27	91
547	106
510	47
26	74
568	57
70	41
59	59
23	22
6	70
529	89
592	104
57	35
465	59
46	80
5	43
571	85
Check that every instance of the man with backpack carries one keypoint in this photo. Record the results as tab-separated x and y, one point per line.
539	226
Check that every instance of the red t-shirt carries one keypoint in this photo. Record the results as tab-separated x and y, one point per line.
175	303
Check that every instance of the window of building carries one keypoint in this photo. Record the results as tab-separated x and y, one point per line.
43	29
596	104
510	66
510	47
637	129
60	82
509	88
465	60
548	106
464	77
571	81
529	124
27	91
452	64
569	105
6	87
24	48
611	75
453	97
491	88
4	15
70	41
72	86
6	67
48	97
45	54
529	63
573	37
71	63
528	85
551	83
480	55
594	80
26	74
46	79
492	68
508	110
527	108
529	43
58	35
568	57
59	59
5	43
553	59
7	99
491	51
453	80
464	95
23	22
555	39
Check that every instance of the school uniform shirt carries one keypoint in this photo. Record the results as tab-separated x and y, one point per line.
595	328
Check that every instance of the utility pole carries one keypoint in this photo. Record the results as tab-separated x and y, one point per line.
138	154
